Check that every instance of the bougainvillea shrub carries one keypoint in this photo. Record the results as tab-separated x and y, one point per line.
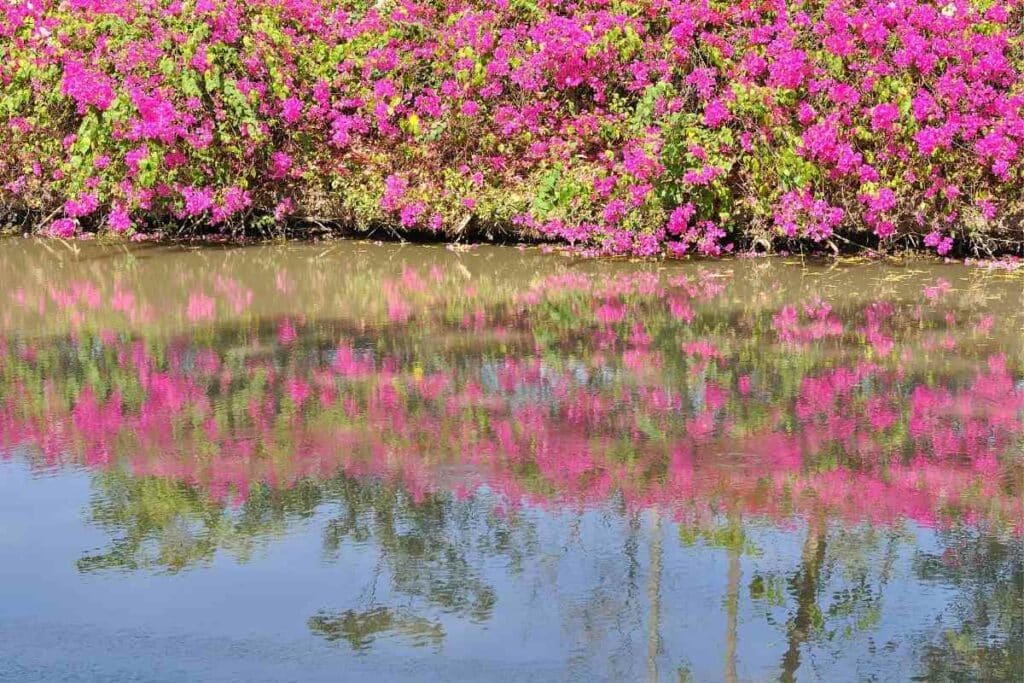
619	126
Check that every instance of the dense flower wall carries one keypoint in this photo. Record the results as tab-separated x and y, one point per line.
621	126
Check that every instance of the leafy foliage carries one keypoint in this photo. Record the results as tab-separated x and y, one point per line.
621	126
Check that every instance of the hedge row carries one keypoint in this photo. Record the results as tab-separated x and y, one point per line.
621	126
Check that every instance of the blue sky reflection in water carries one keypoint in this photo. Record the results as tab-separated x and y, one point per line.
303	463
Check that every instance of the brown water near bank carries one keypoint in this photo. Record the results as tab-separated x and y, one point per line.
399	460
343	277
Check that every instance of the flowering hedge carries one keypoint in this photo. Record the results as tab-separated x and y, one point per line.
622	126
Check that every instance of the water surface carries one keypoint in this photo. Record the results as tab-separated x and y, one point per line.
352	461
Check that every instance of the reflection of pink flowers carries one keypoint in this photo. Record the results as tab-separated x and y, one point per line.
286	332
239	297
123	301
681	309
577	466
348	363
703	348
298	391
610	312
638	360
200	307
398	309
778	432
821	323
875	317
940	289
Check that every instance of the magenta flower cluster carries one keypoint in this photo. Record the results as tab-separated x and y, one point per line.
640	127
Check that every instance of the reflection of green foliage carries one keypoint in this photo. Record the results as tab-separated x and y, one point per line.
360	629
987	642
425	544
728	536
769	588
162	524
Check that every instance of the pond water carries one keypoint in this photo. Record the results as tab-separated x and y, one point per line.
352	461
